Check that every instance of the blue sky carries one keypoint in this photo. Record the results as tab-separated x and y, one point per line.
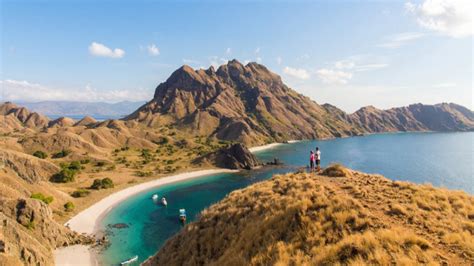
347	53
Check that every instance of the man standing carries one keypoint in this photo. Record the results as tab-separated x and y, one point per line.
318	159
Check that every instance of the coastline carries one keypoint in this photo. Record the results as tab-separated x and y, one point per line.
87	221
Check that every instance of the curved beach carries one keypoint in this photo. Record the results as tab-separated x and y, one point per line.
87	221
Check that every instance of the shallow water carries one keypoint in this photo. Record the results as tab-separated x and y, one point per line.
442	159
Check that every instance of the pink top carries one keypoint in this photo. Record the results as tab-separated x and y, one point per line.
311	157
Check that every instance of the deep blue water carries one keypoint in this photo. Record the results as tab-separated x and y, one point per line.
442	159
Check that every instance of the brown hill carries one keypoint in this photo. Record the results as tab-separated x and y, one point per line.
252	105
27	118
305	219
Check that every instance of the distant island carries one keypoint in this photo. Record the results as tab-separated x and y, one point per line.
51	169
77	110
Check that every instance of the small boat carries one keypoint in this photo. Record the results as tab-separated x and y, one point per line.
154	197
182	215
129	261
164	202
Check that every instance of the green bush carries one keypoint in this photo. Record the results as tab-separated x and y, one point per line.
80	193
43	198
85	161
102	183
100	164
75	165
40	154
64	176
69	206
143	174
61	154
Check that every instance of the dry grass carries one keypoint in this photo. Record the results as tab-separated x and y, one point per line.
302	219
336	170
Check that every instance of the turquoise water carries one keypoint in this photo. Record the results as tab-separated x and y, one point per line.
442	159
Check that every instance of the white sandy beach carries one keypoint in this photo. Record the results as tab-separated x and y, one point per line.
87	220
265	147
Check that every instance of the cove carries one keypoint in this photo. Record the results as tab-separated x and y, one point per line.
442	159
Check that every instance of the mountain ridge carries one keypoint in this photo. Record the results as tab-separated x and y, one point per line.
252	105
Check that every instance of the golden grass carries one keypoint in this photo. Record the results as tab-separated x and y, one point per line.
336	170
302	219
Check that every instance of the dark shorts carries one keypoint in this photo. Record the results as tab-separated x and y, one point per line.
311	163
318	162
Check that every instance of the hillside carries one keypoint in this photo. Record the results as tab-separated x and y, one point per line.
252	105
308	219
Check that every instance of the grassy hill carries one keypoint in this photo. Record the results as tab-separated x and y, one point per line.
353	219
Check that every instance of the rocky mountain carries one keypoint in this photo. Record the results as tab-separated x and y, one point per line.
251	105
236	156
81	109
344	218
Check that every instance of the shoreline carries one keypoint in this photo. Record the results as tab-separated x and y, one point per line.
87	221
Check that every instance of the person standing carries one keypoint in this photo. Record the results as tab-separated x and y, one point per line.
311	161
318	159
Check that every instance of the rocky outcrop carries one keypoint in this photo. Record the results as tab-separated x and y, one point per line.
29	233
236	156
251	105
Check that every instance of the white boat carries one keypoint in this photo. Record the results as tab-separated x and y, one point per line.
182	215
154	197
164	202
129	261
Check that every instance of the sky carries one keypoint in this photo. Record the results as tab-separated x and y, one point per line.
347	53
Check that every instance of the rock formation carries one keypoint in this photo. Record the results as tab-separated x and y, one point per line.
236	156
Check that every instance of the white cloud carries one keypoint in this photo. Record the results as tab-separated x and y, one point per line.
14	90
448	17
257	50
340	72
228	51
153	50
258	60
398	40
98	49
299	73
331	76
215	61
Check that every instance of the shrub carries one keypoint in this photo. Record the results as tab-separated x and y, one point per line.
80	193
102	183
69	206
143	174
100	164
75	165
85	161
64	176
61	154
40	154
43	198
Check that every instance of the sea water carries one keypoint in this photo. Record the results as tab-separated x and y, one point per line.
442	159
